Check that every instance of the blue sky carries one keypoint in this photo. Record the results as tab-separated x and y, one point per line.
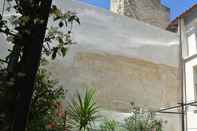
176	6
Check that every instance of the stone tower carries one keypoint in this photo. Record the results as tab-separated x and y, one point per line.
149	11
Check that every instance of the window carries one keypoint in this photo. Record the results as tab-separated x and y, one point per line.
195	81
192	47
195	91
195	87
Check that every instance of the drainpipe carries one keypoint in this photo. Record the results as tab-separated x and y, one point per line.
182	71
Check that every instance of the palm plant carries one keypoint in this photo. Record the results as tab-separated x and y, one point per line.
82	110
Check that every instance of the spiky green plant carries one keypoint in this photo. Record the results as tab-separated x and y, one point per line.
82	110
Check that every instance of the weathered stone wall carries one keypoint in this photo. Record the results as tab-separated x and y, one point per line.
149	11
117	6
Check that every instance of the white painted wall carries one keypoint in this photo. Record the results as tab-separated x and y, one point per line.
191	26
192	44
190	95
190	80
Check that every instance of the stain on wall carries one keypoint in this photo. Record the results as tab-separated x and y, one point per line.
120	80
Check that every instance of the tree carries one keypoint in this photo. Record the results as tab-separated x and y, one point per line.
30	59
46	110
46	103
28	40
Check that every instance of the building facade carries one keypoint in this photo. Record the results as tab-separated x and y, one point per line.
189	22
148	11
186	26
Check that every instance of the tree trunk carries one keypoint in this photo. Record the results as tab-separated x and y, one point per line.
29	66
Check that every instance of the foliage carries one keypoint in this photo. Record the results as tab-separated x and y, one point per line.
7	95
142	120
110	125
58	35
45	103
19	29
82	111
46	106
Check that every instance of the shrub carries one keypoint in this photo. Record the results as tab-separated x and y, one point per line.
142	120
46	104
45	114
111	125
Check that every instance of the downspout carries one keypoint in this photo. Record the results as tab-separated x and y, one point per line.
182	72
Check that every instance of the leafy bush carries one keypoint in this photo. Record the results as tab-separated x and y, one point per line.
142	120
46	102
47	113
7	95
46	109
111	125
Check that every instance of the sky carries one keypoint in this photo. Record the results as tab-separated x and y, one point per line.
176	6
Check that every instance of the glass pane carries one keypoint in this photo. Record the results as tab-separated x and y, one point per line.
192	44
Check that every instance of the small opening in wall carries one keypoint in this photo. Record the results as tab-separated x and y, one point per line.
195	86
192	45
195	81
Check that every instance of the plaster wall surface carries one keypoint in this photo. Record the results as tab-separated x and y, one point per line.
124	59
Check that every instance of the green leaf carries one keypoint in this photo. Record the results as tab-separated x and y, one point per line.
77	20
83	110
56	12
63	51
54	52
